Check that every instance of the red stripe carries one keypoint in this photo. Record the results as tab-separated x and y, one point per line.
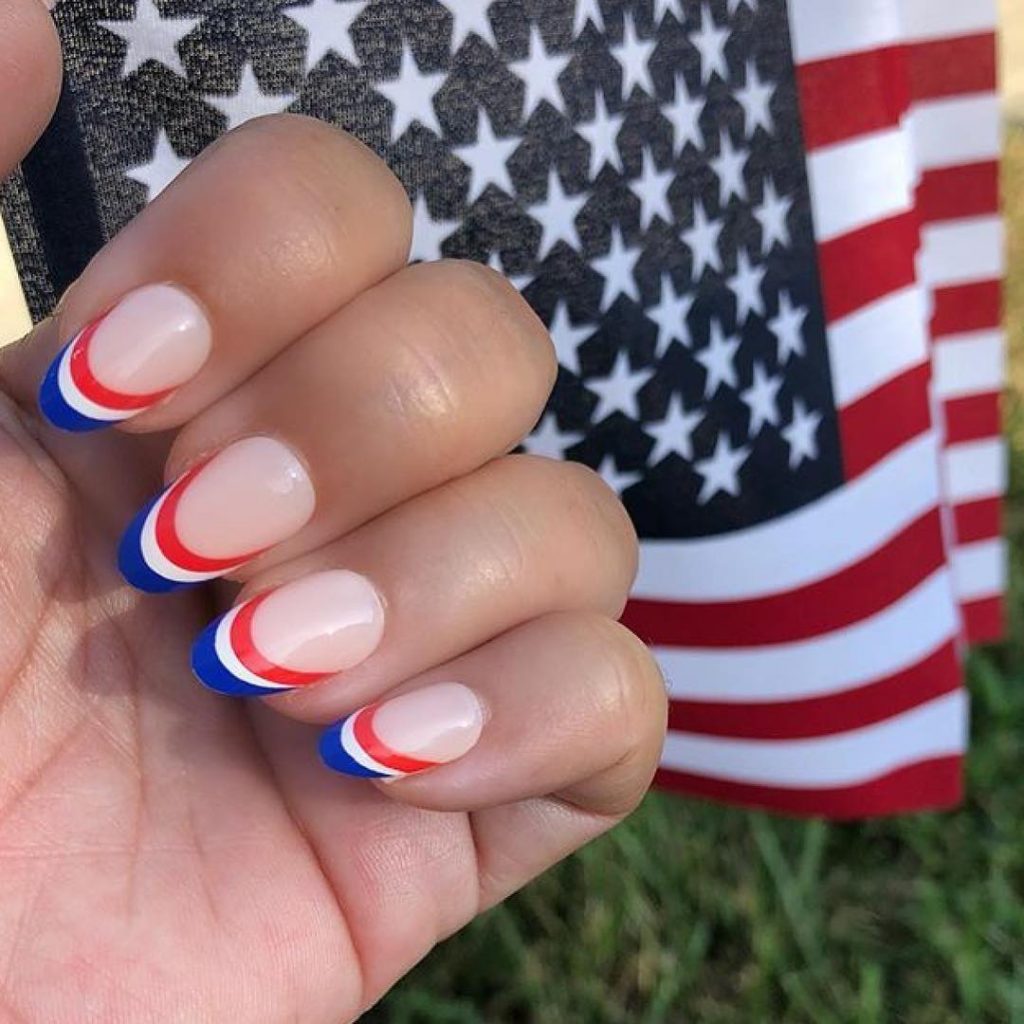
91	388
167	535
848	596
931	784
367	738
938	674
984	620
244	646
978	520
973	418
868	264
884	419
966	308
952	193
852	95
952	67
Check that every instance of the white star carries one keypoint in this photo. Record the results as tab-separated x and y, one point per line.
487	159
661	8
788	328
151	36
651	188
721	471
602	134
328	26
674	433
670	316
717	360
735	5
633	54
547	439
684	112
618	391
518	281
469	17
539	72
755	98
710	43
557	216
584	11
617	270
161	170
412	95
568	338
746	285
615	479
760	399
428	234
800	434
249	101
772	214
728	165
702	239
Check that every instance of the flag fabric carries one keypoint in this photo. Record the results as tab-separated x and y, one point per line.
765	237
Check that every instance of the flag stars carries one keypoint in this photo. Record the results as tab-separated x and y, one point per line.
651	188
567	337
746	286
755	98
772	215
674	433
761	398
787	327
539	72
619	390
249	101
328	26
412	96
718	360
487	159
617	480
728	166
428	234
617	270
602	133
550	440
557	216
157	173
470	17
633	55
152	37
702	239
670	315
710	44
721	471
801	434
584	11
684	115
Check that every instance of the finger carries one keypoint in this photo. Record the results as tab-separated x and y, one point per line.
30	75
268	232
421	379
416	587
571	704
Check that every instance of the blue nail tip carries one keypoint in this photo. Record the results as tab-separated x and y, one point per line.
55	408
133	565
335	757
211	671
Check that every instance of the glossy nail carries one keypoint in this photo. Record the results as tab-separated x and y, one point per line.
406	734
217	516
153	341
295	635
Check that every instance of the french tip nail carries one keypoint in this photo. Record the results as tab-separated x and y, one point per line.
335	756
55	409
131	561
217	667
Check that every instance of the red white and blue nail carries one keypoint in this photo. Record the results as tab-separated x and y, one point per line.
152	556
353	747
225	658
71	397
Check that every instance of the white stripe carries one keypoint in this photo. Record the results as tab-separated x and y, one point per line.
854	184
950	132
71	393
354	749
228	658
935	729
961	251
969	364
877	343
830	28
946	19
807	545
899	636
974	470
979	570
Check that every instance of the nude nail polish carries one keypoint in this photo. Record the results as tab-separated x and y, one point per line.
217	516
129	359
410	733
292	636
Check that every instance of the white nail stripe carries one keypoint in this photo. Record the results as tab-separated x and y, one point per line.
353	748
80	403
228	658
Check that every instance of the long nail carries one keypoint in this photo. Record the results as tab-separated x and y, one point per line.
126	361
407	734
295	635
217	516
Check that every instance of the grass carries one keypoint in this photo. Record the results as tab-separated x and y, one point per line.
692	912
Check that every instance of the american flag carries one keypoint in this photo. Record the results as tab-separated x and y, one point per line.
765	238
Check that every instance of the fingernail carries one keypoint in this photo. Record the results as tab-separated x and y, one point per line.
407	734
217	516
153	341
295	635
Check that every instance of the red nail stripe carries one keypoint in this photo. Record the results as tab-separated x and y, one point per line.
365	735
244	647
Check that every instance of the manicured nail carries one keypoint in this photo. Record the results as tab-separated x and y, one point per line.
295	635
153	341
407	734
216	517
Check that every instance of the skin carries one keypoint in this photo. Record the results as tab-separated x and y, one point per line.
172	855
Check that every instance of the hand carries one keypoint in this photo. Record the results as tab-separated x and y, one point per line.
171	853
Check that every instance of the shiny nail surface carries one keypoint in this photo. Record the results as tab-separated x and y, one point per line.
126	361
406	734
295	635
217	516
